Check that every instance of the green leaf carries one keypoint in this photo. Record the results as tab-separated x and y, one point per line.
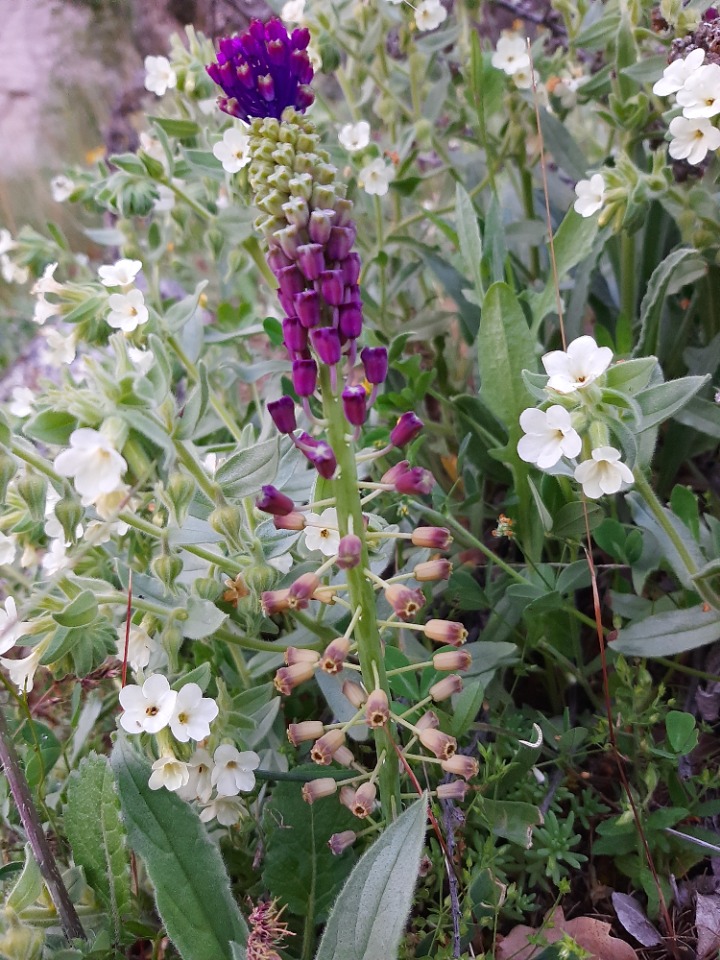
467	707
701	415
665	634
684	504
659	285
80	612
97	836
44	752
561	144
681	731
245	472
182	129
470	239
510	819
369	917
51	426
402	684
660	401
203	619
630	375
192	889
570	519
29	884
644	517
182	311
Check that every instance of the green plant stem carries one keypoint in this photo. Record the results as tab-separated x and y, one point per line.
628	274
529	204
208	486
648	494
361	592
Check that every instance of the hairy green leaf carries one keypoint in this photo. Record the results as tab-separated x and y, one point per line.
665	634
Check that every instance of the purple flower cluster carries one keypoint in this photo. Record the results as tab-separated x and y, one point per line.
263	71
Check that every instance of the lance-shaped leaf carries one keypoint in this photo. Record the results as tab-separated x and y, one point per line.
666	634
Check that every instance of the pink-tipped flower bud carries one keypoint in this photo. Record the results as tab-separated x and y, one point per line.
304	376
282	412
446	687
301	655
316	789
355	693
406	429
346	796
290	521
405	602
295	336
375	362
344	756
307	307
287	678
326	342
439	569
377	709
334	656
364	800
349	552
291	280
301	591
436	538
461	766
298	733
341	241
354	401
324	748
452	660
339	842
428	721
311	260
446	631
439	743
415	480
271	500
332	287
320	225
455	790
274	601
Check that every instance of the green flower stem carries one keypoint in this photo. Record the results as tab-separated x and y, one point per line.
361	590
628	274
211	489
650	498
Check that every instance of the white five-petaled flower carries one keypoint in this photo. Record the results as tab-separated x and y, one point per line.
22	671
233	151
199	786
8	546
148	708
22	401
590	195
43	311
93	462
429	14
11	629
700	94
59	347
47	282
511	54
193	714
169	772
321	532
692	139
233	771
293	11
376	176
159	75
677	73
140	646
604	474
573	369
119	274
226	810
355	136
61	187
127	310
55	558
549	435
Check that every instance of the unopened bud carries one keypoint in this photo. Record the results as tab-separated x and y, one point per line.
32	489
290	521
432	570
287	678
461	766
349	552
271	500
355	693
207	588
455	790
436	538
325	593
446	687
227	521
346	796
307	730
344	756
300	655
333	659
180	492
316	789
406	429
439	743
339	842
377	709
8	469
20	941
428	721
446	631
69	513
274	601
325	747
364	800
167	568
452	660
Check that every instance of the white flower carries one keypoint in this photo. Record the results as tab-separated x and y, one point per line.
355	136
43	311
11	272
233	151
93	462
47	282
511	53
212	462
605	473
61	188
227	810
233	770
700	94
590	195
127	311
22	672
169	772
376	176
293	11
199	786
692	139
141	646
549	435
523	80
30	556
120	274
59	347
166	199
142	359
11	629
108	505
6	241
22	401
571	370
429	14
677	73
159	75
147	708
55	558
8	547
193	714
283	563
321	532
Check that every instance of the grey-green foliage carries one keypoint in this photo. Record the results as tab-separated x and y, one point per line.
370	914
97	835
192	889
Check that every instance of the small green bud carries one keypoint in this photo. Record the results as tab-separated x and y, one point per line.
296	211
69	513
171	639
19	941
269	225
329	53
270	128
262	150
207	588
288	133
214	241
280	179
324	197
180	492
167	568
306	143
272	203
227	521
423	132
8	469
301	185
305	162
260	577
325	173
284	155
32	488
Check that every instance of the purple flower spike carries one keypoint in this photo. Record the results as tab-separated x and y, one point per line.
354	404
350	321
291	281
332	287
263	71
375	361
311	260
282	412
295	335
307	307
271	500
320	225
349	552
277	260
319	453
327	345
341	242
288	304
304	374
351	268
405	430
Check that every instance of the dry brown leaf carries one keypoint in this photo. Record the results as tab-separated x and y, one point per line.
591	934
707	921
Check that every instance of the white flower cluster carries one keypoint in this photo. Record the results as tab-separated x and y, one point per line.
127	309
159	75
512	57
22	671
696	86
9	270
233	151
552	433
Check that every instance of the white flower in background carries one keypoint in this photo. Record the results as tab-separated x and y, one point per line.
549	435
590	195
566	87
282	564
44	311
22	672
141	646
692	139
53	527
321	532
700	94
6	241
523	80
233	151
676	74
11	272
166	199
169	772
511	53
47	282
212	462
8	546
573	369
108	505
233	771
55	558
61	188
147	708
226	810
429	14
59	347
604	474
11	629
22	401
193	714
355	136
127	311
30	556
120	274
93	462
199	785
293	11
396	2
376	176
142	360
153	148
159	75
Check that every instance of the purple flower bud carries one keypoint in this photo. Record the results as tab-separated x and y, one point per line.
375	362
304	374
307	307
277	260
351	319
405	430
352	295
319	453
349	552
271	500
291	281
289	239
354	404
332	287
311	260
343	213
415	480
295	335
351	268
320	225
341	242
326	342
282	412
